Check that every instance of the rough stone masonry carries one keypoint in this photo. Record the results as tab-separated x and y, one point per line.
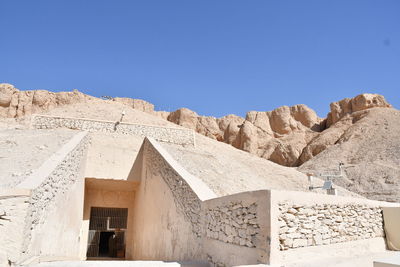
179	136
233	223
323	224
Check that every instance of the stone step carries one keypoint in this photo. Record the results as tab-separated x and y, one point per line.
111	263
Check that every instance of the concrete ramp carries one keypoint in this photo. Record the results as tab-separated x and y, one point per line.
391	217
393	261
119	264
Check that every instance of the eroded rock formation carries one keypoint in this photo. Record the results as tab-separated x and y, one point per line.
350	105
15	103
287	135
136	104
279	135
221	129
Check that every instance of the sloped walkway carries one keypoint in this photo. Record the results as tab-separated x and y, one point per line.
119	264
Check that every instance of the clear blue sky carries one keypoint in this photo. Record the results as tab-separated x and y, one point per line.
216	57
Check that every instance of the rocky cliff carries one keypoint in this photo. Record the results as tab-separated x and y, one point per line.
288	136
16	104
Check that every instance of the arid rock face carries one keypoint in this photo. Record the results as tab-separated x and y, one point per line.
15	103
221	129
350	105
138	104
278	135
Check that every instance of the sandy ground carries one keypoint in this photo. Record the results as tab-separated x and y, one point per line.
24	150
366	260
359	261
227	170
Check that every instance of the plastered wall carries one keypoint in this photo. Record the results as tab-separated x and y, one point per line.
167	215
392	226
13	209
175	220
111	155
49	217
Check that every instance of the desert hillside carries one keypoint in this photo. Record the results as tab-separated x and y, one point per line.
225	169
362	132
368	143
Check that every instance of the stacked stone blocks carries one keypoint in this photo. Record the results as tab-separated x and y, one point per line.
323	224
233	223
179	136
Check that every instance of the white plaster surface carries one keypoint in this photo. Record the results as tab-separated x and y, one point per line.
393	261
111	155
167	211
392	227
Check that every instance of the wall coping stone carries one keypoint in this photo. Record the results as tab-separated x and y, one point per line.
40	174
311	198
14	192
106	121
202	191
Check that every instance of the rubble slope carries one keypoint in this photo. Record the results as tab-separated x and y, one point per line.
368	143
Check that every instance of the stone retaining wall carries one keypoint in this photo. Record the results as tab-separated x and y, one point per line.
237	229
323	224
30	214
53	187
179	136
233	223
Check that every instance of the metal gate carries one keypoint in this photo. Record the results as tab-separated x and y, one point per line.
107	220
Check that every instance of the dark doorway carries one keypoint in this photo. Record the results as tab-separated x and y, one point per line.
106	246
107	233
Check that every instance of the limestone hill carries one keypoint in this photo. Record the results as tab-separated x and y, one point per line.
361	132
368	143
